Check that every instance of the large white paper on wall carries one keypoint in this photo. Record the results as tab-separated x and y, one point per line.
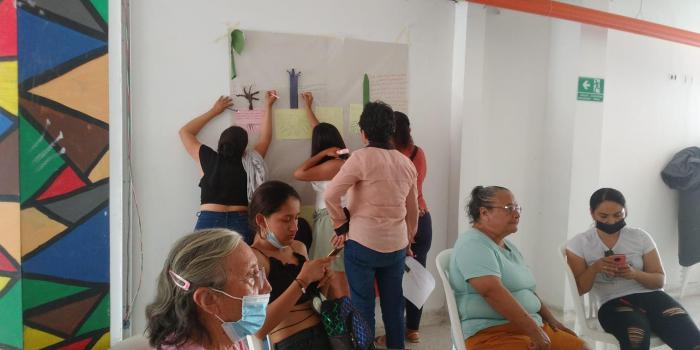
333	70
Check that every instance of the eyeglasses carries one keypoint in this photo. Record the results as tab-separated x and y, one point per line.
510	208
256	278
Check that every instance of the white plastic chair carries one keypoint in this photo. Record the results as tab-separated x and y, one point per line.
586	307
443	263
685	271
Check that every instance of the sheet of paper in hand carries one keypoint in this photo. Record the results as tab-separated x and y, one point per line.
417	282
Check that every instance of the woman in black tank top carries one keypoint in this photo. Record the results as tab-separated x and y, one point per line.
291	322
225	183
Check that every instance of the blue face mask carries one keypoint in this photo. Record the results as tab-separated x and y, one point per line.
272	238
253	316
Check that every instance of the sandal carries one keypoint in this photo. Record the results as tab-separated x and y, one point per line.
413	336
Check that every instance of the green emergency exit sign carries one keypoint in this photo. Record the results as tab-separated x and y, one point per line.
590	89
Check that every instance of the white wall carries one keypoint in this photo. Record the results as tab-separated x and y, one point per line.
179	62
502	130
524	128
557	149
648	118
676	13
505	84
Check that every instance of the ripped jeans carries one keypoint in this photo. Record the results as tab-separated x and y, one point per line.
633	318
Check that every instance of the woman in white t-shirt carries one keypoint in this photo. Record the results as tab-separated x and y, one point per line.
621	265
328	153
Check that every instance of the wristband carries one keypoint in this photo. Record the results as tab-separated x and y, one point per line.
301	285
344	228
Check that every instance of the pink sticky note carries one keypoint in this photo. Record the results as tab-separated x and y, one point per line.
250	120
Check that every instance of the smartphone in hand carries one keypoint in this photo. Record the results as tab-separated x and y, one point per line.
335	251
620	260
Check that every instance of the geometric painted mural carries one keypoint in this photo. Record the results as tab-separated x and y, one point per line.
11	334
54	175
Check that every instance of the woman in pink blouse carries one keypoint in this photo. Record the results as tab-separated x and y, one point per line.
379	221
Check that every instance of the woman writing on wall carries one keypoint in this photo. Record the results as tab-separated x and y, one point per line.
325	162
230	173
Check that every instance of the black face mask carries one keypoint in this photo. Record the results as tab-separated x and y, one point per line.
610	228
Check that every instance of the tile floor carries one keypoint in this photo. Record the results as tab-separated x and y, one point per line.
437	336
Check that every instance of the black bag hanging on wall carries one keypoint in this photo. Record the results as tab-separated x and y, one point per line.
682	173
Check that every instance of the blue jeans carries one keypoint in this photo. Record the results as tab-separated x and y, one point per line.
232	220
424	237
362	267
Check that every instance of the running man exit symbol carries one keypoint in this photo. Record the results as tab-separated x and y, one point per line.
590	89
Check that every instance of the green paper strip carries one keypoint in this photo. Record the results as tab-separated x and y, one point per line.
237	45
365	90
233	65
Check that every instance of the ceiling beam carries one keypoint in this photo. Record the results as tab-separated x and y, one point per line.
557	9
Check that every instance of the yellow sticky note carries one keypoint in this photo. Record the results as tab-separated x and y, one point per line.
354	120
331	115
291	124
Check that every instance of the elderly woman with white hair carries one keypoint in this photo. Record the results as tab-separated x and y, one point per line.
211	294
